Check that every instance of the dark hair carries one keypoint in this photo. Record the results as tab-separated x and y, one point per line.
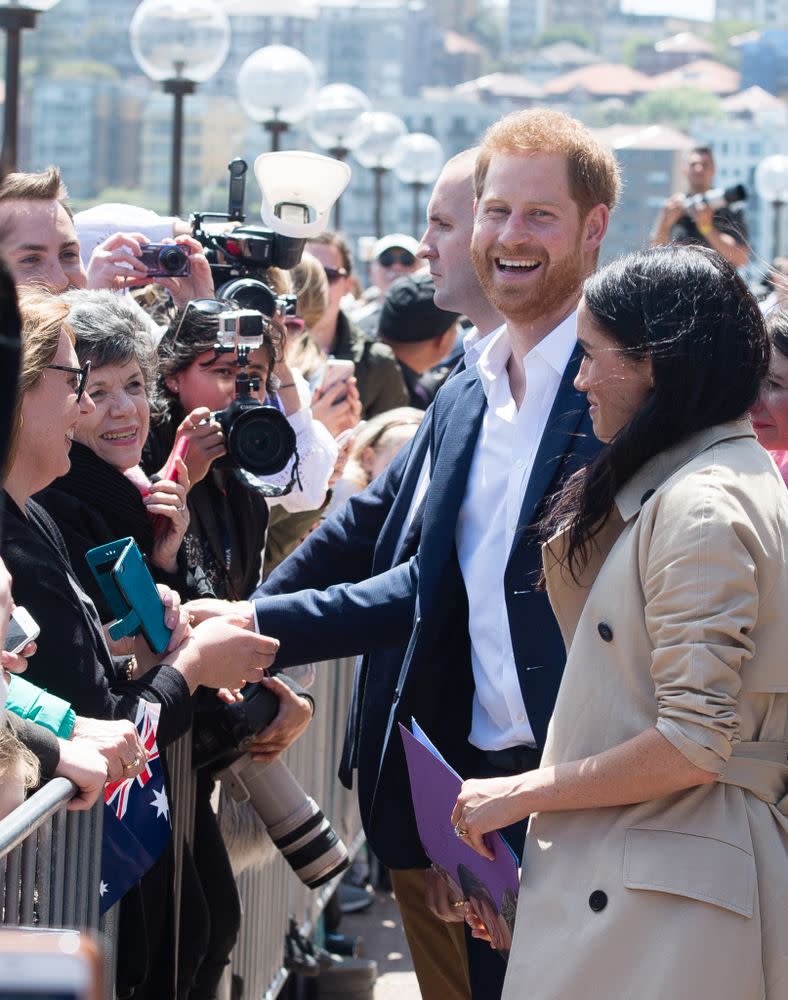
196	334
777	328
110	331
10	349
686	309
702	151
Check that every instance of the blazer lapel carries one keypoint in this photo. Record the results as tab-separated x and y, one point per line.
568	410
452	446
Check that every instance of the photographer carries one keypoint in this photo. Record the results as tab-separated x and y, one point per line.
687	218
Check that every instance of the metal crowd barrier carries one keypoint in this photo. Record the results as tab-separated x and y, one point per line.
50	859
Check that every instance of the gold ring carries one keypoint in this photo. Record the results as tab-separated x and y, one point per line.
132	765
460	831
460	903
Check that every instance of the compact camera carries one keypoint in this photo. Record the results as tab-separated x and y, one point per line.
166	260
259	438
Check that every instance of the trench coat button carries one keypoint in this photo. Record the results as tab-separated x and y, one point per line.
597	900
647	496
605	631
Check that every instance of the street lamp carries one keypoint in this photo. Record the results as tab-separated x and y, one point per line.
14	17
377	152
419	161
179	43
771	183
333	122
275	86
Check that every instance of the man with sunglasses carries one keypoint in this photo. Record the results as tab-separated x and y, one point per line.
393	256
378	378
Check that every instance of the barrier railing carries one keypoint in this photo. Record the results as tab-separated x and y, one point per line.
50	858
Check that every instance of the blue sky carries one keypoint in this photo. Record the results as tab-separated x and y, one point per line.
699	8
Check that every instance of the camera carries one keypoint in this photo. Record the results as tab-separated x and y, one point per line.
294	821
165	260
240	258
259	438
717	198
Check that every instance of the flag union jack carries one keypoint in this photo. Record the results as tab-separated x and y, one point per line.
116	793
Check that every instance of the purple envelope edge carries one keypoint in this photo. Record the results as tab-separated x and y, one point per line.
434	789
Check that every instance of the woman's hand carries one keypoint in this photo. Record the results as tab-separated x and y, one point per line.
116	263
118	742
221	653
338	408
293	717
176	617
486	805
198	284
167	500
203	608
206	443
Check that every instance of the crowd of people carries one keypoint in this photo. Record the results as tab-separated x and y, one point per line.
534	498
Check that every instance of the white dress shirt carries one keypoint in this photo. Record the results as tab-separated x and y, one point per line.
473	343
500	469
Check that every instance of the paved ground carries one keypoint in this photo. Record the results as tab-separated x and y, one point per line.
384	940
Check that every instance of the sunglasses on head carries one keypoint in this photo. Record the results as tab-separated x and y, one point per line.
82	374
396	255
208	307
334	274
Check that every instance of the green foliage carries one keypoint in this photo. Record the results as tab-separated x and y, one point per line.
720	34
487	29
565	33
629	52
82	69
678	107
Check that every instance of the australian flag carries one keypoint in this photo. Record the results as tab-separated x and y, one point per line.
136	817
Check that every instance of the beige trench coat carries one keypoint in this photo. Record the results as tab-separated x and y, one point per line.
682	623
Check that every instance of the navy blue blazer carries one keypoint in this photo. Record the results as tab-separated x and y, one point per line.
421	606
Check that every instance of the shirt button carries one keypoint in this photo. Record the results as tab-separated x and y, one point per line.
519	463
521	717
597	900
605	631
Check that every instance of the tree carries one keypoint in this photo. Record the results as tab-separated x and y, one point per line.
720	34
677	106
565	33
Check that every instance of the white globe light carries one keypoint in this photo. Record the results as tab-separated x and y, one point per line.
381	131
276	83
771	178
173	39
419	158
334	116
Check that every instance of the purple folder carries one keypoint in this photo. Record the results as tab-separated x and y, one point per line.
492	886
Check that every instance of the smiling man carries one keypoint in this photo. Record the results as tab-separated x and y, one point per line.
483	653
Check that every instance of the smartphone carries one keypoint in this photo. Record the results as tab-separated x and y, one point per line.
48	965
22	629
160	522
348	435
336	371
128	587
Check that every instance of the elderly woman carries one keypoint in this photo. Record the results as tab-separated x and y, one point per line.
655	861
73	658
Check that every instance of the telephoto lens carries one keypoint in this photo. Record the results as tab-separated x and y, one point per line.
294	820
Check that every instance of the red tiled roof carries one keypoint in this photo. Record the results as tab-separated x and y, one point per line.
706	74
604	80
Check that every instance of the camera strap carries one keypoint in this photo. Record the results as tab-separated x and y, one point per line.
268	490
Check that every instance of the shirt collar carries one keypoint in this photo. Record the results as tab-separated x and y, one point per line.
556	349
474	342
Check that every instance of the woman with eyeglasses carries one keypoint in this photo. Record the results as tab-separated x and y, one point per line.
228	507
770	413
73	658
656	859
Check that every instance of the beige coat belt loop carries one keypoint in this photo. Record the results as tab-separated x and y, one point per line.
761	768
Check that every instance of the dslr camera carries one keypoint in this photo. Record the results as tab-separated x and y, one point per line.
165	260
295	822
259	437
717	198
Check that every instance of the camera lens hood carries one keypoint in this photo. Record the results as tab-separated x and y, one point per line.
249	293
260	440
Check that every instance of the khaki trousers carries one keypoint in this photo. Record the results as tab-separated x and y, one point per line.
437	948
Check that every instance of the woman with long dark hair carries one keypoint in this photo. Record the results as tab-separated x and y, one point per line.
770	413
656	857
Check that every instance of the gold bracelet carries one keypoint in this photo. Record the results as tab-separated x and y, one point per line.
128	669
